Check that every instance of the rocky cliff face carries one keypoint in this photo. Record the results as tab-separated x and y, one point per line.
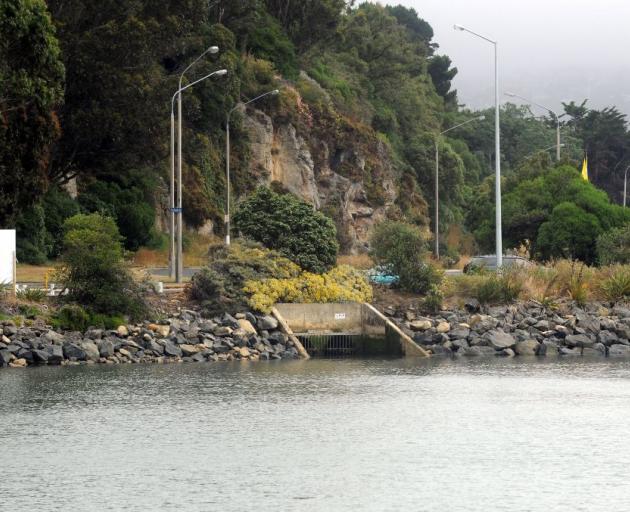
349	176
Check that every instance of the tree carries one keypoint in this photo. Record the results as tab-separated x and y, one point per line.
570	232
290	226
93	269
400	247
442	75
31	89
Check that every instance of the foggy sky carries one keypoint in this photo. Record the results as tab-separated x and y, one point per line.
550	51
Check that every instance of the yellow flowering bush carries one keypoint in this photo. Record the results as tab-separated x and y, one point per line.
340	284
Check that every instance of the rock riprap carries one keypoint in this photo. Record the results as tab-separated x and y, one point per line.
184	338
522	329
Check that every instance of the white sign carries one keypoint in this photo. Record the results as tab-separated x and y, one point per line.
7	251
340	316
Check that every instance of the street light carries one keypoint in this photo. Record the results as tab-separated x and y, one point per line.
173	264
437	177
625	185
227	158
558	145
497	142
177	261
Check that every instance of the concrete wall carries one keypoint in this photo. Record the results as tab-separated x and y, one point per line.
7	254
322	317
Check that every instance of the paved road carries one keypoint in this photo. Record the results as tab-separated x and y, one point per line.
188	272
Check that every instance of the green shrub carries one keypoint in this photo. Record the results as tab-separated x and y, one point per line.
292	227
400	247
93	269
617	285
75	318
614	246
29	311
32	243
220	286
32	295
498	288
433	299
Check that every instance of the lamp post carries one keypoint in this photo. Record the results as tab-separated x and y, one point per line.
227	158
497	143
177	261
172	255
625	185
437	180
558	145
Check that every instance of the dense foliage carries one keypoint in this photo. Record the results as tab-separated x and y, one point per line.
341	284
220	286
90	95
401	248
31	78
290	226
93	270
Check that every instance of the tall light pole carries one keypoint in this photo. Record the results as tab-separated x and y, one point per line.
497	143
173	265
178	260
437	180
554	114
227	158
625	185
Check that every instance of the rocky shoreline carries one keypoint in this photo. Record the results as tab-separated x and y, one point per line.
522	329
185	337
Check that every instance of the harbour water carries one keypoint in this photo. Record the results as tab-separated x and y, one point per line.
319	435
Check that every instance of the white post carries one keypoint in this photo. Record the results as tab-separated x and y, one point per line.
558	138
172	257
437	200
179	263
625	185
497	157
227	176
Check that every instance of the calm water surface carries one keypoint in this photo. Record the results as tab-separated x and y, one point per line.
361	435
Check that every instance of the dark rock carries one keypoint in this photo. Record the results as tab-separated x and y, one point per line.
106	348
5	357
170	349
459	344
607	324
565	351
14	348
9	330
623	331
607	338
53	337
472	352
250	318
440	338
198	357
73	351
506	352
40	356
548	348
472	305
601	348
55	354
27	354
277	337
154	346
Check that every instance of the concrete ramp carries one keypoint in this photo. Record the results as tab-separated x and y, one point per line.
346	330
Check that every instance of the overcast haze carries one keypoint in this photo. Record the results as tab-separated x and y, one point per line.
550	51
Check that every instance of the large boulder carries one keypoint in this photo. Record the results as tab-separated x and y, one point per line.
53	338
40	356
246	326
74	351
619	351
170	349
91	351
527	348
499	339
55	354
420	325
267	323
607	338
106	348
6	357
579	340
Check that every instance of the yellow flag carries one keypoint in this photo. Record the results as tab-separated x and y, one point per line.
585	169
